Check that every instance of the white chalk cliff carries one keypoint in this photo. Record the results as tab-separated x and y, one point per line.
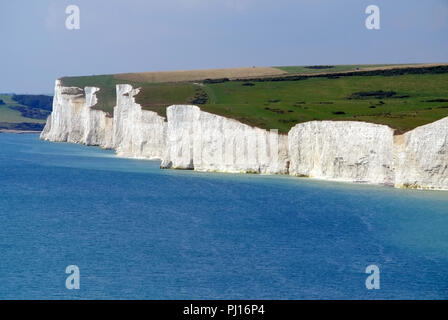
342	151
137	133
73	119
207	142
190	138
422	157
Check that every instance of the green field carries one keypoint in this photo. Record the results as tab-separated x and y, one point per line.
399	97
11	118
283	104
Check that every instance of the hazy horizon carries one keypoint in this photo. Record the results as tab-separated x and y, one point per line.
142	36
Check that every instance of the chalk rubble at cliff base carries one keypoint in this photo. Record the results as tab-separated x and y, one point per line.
193	139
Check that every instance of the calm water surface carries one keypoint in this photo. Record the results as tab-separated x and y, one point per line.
136	231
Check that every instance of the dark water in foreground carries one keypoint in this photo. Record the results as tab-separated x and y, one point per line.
136	231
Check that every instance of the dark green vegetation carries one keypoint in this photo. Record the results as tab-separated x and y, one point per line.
34	101
402	97
22	126
32	113
24	112
380	94
330	69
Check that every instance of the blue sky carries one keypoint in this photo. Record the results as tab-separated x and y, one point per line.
143	35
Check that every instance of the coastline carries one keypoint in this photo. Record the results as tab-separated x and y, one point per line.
18	131
192	139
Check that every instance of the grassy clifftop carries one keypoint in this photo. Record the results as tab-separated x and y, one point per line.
401	96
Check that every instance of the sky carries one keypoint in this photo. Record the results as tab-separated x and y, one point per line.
118	36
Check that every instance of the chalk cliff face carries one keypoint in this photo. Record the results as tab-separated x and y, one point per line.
207	142
193	139
137	133
73	119
365	152
422	157
342	151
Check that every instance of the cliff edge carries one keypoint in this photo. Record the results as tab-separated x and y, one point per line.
189	138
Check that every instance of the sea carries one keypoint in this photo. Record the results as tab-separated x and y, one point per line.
78	222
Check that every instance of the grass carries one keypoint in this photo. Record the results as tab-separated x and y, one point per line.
158	96
282	104
8	115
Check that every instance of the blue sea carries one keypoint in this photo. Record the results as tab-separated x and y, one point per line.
138	232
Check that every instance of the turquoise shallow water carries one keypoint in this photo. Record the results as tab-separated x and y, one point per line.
136	231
